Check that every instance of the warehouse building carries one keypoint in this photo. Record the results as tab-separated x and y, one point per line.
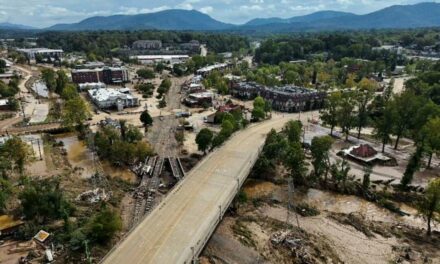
32	53
167	59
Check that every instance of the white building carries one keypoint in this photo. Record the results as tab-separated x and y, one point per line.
106	98
208	69
31	53
168	59
89	86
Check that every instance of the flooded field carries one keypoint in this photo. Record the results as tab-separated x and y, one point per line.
81	158
77	154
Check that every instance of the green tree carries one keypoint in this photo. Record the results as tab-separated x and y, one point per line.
259	102
363	96
295	161
145	73
431	133
75	112
383	126
345	114
329	115
320	156
49	77
5	193
258	114
162	103
227	128
61	82
429	205
104	226
405	107
159	67
69	92
204	139
412	167
293	130
18	152
339	172
133	134
146	118
44	200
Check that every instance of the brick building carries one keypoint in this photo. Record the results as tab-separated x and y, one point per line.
284	99
107	75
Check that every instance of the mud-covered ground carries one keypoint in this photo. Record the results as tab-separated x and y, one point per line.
339	229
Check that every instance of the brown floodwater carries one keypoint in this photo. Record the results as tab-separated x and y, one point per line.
78	154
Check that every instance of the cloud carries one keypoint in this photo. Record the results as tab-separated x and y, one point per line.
207	9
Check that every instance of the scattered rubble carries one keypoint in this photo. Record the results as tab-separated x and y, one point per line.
93	196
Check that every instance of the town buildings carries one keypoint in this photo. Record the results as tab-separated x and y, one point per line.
205	71
167	59
107	75
31	54
106	98
192	46
147	44
284	99
200	99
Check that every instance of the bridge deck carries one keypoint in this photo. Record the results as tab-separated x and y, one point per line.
178	228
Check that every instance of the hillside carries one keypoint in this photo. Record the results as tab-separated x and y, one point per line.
164	20
9	26
398	16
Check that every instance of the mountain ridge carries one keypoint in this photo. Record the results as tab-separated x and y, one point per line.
425	14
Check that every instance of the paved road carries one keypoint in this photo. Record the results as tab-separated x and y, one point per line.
178	228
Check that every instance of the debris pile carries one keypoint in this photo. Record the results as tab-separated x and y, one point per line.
93	196
295	245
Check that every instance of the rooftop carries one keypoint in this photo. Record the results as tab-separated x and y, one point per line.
7	221
157	57
41	236
212	67
40	50
105	94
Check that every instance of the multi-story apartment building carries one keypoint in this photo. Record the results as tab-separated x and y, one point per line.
107	75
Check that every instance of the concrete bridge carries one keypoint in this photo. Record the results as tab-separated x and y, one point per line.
177	230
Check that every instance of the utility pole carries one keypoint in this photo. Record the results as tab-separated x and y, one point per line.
39	149
290	205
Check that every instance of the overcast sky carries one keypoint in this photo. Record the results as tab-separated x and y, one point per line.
42	13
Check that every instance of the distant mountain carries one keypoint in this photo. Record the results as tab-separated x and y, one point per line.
299	19
398	16
173	19
10	26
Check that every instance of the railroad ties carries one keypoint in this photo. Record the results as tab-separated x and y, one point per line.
150	171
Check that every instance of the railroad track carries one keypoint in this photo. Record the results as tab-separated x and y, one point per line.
162	138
